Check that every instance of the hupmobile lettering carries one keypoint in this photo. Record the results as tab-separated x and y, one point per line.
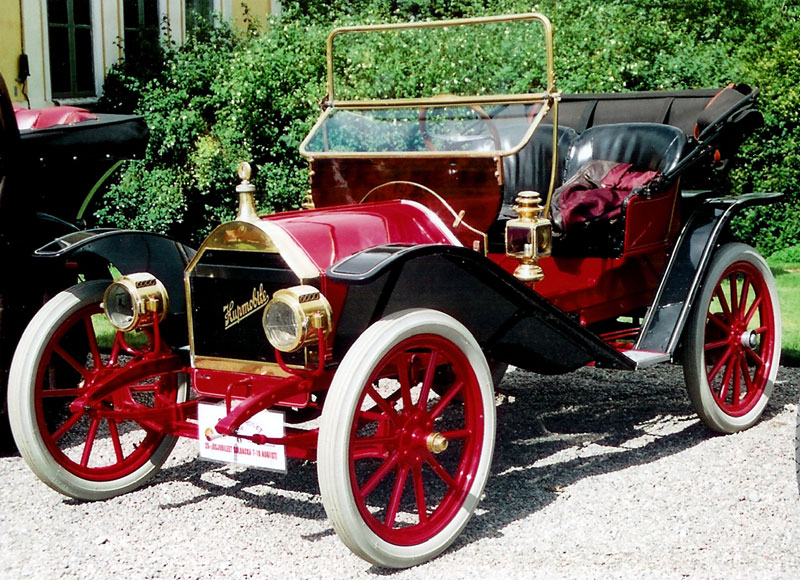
234	313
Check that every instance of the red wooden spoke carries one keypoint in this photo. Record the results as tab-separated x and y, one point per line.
715	319
379	475
403	369
419	493
90	436
112	428
726	379
745	294
713	372
382	403
460	434
446	400
397	495
723	302
753	309
427	381
737	389
440	471
66	426
84	372
93	348
717	344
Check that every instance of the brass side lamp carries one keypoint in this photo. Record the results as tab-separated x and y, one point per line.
529	237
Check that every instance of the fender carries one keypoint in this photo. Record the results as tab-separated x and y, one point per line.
129	251
512	323
685	272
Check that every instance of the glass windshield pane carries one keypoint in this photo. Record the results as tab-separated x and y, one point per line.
486	58
455	128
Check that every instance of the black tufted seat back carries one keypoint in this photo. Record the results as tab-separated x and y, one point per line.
644	145
530	168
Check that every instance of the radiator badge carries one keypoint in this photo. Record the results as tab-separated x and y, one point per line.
235	314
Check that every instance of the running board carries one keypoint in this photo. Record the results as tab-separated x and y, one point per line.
646	358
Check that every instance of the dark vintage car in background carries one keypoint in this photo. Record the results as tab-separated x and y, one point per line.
450	236
52	163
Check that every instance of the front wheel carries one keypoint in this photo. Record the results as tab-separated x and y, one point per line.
103	448
402	465
733	340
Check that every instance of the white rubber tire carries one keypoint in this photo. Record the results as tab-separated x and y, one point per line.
694	362
335	430
22	406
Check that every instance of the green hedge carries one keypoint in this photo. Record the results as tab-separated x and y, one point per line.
231	95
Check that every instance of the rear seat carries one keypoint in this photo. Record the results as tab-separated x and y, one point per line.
644	145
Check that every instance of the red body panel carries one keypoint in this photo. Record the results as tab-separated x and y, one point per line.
329	235
597	288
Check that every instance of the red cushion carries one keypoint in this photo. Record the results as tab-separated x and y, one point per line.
41	118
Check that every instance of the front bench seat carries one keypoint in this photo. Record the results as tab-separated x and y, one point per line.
529	169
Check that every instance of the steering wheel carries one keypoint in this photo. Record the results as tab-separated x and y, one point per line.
457	136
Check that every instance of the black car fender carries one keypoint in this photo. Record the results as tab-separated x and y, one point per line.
511	322
128	251
707	227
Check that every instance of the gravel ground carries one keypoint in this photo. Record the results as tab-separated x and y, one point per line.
596	475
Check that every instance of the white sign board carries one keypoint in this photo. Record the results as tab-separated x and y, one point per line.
229	449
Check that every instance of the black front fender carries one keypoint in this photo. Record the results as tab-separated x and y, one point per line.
512	323
128	251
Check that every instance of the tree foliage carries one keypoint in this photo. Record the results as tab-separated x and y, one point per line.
253	94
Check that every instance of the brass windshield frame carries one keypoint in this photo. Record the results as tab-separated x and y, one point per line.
549	99
438	100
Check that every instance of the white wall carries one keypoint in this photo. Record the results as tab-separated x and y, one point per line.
107	29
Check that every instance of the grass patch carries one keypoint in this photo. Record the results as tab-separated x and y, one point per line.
106	333
787	278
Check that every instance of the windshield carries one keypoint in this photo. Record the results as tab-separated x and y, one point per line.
391	63
481	130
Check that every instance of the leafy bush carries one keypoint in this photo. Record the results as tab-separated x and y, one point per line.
230	95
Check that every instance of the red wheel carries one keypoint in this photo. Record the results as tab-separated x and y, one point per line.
99	448
401	467
733	340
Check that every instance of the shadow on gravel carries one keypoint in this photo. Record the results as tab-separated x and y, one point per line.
551	433
560	430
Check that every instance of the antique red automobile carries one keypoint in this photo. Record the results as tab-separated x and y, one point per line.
451	236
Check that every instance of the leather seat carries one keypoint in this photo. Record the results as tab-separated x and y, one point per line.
644	145
530	168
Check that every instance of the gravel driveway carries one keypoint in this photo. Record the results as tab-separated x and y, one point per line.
596	475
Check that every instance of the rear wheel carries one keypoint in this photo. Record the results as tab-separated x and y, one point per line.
733	340
402	466
99	450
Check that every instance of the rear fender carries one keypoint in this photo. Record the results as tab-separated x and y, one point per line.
706	228
511	323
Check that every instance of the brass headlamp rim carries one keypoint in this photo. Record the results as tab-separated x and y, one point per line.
148	296
311	312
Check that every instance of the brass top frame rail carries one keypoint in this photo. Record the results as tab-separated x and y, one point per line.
330	98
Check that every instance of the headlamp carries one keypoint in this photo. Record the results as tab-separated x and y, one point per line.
135	300
293	315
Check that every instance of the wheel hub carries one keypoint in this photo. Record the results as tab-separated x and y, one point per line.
436	443
749	339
